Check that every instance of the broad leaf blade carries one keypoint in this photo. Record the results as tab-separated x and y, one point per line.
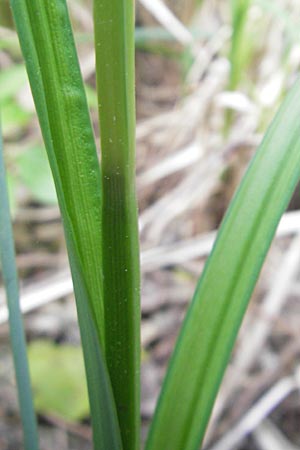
212	322
16	329
114	44
48	47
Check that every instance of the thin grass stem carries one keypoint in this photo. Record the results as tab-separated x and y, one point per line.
114	43
16	328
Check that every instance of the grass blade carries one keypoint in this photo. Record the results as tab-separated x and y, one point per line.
104	418
240	50
51	61
214	317
17	336
114	43
238	53
48	47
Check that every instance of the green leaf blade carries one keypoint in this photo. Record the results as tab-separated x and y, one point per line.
17	336
239	13
114	43
212	322
49	51
106	433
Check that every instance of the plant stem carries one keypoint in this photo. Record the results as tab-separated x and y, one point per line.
16	329
114	42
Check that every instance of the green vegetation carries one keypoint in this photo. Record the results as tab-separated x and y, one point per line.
227	282
114	44
99	214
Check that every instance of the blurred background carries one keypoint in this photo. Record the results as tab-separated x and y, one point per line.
210	75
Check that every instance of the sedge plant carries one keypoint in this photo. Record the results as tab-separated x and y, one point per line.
99	215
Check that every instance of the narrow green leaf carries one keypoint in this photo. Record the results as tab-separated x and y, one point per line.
212	322
114	43
48	47
17	336
12	184
106	433
47	44
239	50
239	12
